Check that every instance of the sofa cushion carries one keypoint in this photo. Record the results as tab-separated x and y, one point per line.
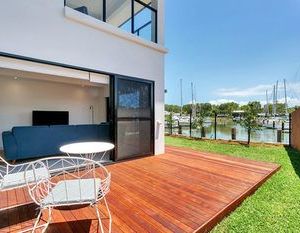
73	191
17	179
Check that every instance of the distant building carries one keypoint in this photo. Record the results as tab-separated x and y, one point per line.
237	115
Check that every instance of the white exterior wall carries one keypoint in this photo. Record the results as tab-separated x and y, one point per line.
19	97
39	29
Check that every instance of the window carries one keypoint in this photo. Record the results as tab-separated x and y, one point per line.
135	16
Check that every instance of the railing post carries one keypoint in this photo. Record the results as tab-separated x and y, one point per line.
190	123
203	135
233	133
279	136
104	11
215	126
179	128
156	29
132	16
290	129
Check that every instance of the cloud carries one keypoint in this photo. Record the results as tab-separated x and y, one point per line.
291	101
259	90
221	101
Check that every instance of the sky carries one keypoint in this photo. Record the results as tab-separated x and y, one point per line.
232	50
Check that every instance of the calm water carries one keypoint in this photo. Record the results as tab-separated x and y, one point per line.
224	132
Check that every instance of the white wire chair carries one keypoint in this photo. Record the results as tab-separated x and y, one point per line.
12	175
77	181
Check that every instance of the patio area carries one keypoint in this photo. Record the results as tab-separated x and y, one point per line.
180	191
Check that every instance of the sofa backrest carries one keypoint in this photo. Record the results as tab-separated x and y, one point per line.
104	132
61	135
38	141
33	140
87	132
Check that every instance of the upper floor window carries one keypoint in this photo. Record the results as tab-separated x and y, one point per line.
138	17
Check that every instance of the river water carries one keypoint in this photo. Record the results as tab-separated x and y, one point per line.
224	132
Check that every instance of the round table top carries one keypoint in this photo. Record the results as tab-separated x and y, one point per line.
86	147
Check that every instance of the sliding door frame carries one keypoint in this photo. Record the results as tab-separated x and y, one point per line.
114	112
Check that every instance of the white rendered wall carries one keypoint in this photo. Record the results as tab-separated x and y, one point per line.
39	29
19	97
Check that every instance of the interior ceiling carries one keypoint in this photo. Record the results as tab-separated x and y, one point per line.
119	11
95	7
19	74
115	5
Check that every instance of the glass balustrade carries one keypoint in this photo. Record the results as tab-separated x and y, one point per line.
138	17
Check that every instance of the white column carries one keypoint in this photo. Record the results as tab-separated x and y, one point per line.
160	6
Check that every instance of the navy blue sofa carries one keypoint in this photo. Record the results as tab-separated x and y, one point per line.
25	142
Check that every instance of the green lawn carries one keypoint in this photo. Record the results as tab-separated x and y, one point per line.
275	207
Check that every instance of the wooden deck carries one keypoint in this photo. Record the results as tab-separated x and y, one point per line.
180	191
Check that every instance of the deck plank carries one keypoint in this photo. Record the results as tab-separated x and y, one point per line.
181	191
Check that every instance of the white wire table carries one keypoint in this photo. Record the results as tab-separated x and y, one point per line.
87	149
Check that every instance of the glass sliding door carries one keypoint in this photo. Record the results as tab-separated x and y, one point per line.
133	117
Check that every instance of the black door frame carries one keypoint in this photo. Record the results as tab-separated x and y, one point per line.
114	117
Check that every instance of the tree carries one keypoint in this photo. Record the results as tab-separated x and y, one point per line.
214	110
170	121
187	108
280	108
250	118
205	108
244	107
228	108
199	120
172	108
257	106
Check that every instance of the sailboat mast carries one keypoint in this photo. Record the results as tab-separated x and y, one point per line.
195	94
285	98
274	101
193	98
267	103
192	89
181	104
276	98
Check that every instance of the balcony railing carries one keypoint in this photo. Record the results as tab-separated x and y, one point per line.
138	17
